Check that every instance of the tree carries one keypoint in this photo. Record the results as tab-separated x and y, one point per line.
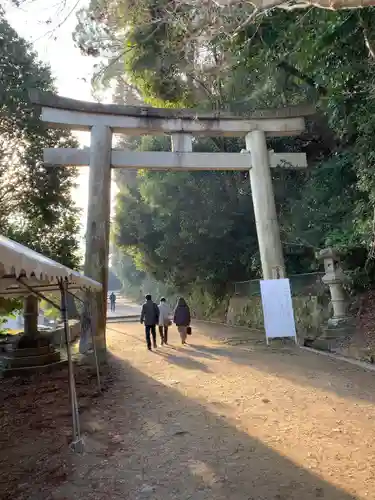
119	28
217	16
36	206
284	57
40	209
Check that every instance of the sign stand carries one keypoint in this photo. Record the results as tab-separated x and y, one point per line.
277	309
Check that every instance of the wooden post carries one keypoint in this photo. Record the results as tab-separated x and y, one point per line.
97	235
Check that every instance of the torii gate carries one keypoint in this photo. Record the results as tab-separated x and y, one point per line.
103	120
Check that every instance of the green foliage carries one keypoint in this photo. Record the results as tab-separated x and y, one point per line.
36	207
49	311
328	203
157	220
187	229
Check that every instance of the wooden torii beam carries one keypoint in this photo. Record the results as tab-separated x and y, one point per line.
103	120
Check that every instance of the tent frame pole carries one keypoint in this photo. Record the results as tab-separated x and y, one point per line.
77	443
92	339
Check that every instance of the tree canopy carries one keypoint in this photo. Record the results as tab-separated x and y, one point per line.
191	227
36	206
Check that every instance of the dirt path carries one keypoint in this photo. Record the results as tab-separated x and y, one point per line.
216	422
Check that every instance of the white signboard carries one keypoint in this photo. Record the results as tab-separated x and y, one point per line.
277	309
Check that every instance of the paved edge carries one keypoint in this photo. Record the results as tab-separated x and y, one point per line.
355	362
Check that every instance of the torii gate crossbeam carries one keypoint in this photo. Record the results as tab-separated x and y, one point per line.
104	120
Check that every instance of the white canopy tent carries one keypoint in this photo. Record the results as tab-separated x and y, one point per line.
44	274
24	272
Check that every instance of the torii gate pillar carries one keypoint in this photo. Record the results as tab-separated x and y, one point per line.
98	225
270	249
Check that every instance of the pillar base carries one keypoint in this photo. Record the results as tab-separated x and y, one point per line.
338	323
36	341
334	335
29	355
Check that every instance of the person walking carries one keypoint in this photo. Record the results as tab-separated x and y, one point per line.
112	299
150	318
182	318
164	320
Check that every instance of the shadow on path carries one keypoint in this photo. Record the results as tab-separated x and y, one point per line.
186	350
183	362
173	447
301	367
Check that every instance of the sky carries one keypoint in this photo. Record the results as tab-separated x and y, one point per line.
72	71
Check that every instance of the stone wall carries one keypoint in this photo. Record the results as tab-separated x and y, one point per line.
245	311
204	306
311	313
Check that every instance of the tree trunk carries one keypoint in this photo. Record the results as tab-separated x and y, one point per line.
30	315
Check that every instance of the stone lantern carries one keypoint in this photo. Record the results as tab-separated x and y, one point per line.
335	278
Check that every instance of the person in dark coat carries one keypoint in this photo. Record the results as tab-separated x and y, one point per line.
182	318
150	318
112	299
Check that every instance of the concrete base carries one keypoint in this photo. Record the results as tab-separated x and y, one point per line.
20	360
320	344
31	370
30	360
333	336
338	323
32	351
77	446
28	342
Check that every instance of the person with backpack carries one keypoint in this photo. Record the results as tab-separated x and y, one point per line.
150	318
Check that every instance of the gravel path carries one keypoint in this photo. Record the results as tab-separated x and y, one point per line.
212	421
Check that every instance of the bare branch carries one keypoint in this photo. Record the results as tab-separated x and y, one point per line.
366	36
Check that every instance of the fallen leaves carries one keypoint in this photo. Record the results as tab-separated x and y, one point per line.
35	431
